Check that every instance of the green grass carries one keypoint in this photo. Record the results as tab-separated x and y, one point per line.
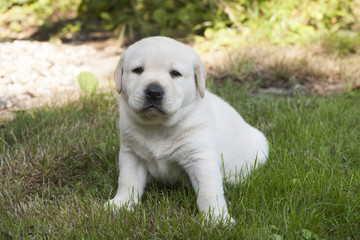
59	165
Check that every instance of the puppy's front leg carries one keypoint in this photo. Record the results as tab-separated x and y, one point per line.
206	178
132	180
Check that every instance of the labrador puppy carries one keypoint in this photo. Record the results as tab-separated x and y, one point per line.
172	129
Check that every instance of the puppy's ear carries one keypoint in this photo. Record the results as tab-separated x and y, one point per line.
200	76
119	73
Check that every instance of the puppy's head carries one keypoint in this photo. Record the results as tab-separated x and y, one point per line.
158	76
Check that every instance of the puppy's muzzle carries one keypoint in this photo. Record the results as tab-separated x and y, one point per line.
154	95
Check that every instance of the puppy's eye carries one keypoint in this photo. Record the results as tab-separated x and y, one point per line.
174	74
138	70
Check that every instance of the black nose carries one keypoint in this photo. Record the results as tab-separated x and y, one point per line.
154	92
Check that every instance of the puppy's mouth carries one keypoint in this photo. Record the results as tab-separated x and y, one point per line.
153	109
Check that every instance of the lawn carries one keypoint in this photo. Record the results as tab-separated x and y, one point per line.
58	165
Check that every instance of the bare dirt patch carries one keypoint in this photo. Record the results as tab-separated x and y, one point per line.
286	68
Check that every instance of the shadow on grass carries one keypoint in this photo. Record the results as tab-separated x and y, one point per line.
75	147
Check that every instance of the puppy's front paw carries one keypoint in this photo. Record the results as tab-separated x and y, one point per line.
229	221
117	203
222	218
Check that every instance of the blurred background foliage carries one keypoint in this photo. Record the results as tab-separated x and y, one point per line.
212	23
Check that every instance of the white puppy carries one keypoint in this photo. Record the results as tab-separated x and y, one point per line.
172	129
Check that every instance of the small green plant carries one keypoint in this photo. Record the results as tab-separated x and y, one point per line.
308	235
89	84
